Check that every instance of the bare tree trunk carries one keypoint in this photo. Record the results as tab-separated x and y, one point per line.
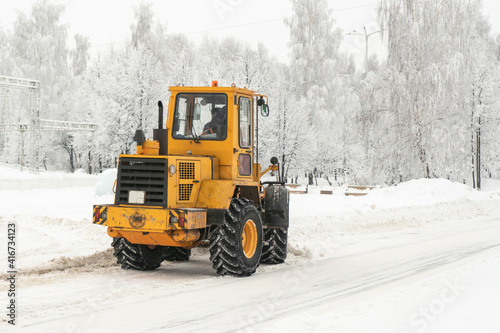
473	161
478	154
421	153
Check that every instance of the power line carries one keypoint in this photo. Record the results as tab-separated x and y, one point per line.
241	25
269	21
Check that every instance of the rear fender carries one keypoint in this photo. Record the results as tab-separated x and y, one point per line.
276	206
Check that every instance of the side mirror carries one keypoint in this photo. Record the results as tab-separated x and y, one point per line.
197	111
265	110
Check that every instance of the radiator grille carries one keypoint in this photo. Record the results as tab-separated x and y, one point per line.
142	174
185	191
186	170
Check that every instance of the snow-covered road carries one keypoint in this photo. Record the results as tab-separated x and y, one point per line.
269	300
423	256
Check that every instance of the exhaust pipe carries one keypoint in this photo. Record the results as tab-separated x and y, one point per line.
160	134
160	115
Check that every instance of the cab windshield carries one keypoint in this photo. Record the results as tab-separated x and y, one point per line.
200	117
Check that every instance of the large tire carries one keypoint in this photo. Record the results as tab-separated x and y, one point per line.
135	256
274	248
173	253
236	246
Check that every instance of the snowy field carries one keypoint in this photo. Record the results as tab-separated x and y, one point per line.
423	256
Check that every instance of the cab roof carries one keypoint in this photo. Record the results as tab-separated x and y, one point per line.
232	89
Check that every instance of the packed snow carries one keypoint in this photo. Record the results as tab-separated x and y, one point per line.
61	255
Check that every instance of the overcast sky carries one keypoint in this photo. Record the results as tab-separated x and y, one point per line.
108	21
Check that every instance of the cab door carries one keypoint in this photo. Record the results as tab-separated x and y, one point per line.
245	136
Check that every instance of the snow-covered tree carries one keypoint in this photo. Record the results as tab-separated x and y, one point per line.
39	51
125	86
179	61
80	55
142	26
485	113
316	69
417	112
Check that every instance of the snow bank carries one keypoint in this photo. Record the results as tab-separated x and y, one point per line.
423	192
318	222
51	222
11	178
105	182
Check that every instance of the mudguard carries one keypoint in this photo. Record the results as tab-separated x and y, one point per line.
276	206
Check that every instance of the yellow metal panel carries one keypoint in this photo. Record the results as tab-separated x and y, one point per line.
149	219
215	168
143	219
225	172
256	172
184	185
196	219
215	194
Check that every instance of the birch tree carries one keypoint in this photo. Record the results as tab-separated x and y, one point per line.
418	109
316	68
80	55
39	51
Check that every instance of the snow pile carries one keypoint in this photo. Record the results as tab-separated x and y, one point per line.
11	178
105	182
51	222
318	222
99	259
424	192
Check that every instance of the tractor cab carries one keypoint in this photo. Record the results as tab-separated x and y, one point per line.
216	121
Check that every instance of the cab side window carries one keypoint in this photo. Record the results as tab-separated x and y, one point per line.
245	122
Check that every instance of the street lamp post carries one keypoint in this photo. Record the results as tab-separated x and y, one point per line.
366	35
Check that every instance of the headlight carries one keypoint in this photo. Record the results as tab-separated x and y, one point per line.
172	169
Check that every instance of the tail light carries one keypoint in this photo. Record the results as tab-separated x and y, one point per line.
97	214
182	220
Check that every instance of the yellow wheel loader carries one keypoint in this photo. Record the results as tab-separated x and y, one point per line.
198	183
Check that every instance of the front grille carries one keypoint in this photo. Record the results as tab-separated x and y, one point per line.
142	174
186	170
187	173
185	191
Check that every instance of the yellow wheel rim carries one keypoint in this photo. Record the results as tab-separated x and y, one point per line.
249	238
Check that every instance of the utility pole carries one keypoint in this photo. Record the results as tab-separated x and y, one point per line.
37	125
367	35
